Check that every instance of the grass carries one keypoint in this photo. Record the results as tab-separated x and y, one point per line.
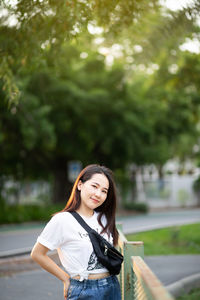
168	241
193	295
173	240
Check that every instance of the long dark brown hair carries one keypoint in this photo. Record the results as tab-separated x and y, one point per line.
108	208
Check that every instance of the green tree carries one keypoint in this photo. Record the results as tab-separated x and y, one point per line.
27	27
76	113
176	95
75	107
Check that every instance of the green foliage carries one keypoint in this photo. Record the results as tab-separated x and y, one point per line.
174	240
196	185
9	83
65	110
194	294
42	25
26	213
177	111
134	206
67	103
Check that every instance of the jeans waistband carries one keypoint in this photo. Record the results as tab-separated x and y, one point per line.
95	282
94	276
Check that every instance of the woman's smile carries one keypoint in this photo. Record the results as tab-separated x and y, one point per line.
95	200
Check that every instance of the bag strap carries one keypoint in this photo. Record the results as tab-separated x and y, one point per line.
81	221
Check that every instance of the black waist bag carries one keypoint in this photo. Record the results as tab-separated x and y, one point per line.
107	255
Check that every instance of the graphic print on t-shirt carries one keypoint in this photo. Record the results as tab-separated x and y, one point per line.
93	263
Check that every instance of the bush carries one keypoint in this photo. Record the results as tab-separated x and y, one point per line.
141	207
196	185
26	213
194	294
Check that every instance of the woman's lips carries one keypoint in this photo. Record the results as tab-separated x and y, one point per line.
95	200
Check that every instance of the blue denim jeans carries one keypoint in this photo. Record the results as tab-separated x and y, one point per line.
102	289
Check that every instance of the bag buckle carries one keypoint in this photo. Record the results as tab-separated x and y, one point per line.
105	250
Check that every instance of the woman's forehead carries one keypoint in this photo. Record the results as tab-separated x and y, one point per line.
100	179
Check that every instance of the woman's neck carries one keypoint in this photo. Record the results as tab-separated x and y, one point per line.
85	211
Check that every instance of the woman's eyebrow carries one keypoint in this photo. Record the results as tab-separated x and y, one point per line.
99	185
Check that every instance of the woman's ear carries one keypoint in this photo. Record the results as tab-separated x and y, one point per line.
79	185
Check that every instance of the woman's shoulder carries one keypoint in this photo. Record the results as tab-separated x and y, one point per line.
62	216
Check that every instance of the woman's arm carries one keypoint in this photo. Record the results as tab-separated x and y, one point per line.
39	255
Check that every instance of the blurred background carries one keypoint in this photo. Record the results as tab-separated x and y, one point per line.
109	82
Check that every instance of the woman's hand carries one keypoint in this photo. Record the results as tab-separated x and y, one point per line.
39	254
66	287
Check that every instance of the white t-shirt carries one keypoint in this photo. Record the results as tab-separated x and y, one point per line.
73	244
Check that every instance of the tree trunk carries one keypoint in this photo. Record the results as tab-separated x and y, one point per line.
61	187
161	177
141	196
1	189
134	185
160	171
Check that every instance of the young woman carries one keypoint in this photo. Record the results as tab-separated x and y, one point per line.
94	198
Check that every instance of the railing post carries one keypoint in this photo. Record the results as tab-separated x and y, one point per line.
121	241
130	249
119	226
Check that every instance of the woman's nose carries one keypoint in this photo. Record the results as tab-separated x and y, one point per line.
97	192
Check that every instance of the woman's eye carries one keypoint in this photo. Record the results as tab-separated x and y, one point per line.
94	186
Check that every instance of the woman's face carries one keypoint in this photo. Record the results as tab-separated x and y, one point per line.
94	191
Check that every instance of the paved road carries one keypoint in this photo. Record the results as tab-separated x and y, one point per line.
172	268
159	220
31	285
21	238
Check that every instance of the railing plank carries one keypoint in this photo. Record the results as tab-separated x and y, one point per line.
147	281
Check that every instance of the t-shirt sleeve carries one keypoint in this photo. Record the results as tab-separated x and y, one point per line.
52	236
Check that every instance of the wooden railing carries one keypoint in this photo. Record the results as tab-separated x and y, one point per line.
137	280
